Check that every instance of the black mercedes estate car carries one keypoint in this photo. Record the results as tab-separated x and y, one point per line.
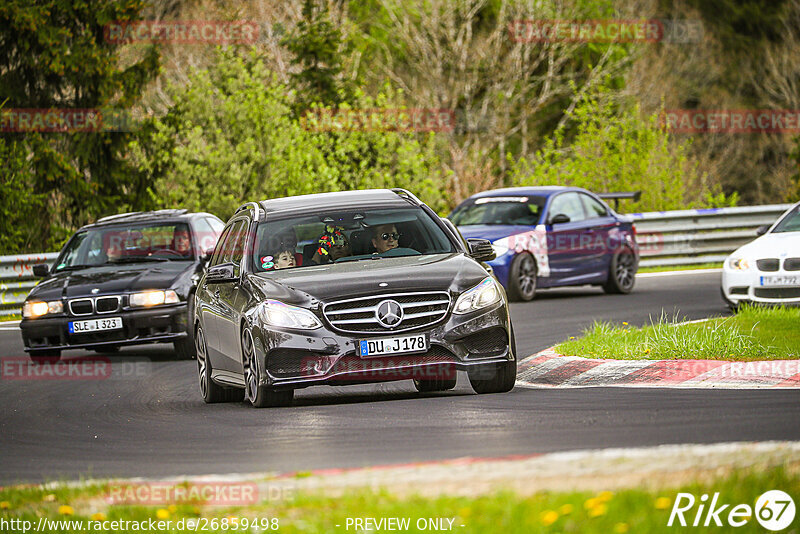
125	280
347	288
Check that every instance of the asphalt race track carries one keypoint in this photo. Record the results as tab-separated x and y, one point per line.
147	419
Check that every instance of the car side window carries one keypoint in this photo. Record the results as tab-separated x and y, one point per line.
237	251
568	204
594	208
224	244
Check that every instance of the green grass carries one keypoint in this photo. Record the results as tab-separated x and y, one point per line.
755	333
14	317
680	268
632	510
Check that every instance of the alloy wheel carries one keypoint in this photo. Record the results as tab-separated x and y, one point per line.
624	270
527	277
250	366
200	342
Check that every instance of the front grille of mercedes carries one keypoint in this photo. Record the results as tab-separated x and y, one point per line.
357	316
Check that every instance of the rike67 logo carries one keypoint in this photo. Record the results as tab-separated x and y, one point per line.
774	510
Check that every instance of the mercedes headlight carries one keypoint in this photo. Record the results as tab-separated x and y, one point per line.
33	309
484	294
739	264
153	298
277	313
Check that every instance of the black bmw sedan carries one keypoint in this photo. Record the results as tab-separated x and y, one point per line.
127	279
348	288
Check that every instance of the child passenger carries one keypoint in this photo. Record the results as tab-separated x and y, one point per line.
285	259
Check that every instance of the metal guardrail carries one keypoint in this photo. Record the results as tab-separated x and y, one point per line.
687	237
666	238
17	280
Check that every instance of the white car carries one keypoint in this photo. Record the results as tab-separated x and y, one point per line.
766	270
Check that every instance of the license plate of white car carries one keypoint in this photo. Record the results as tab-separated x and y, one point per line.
93	325
780	281
392	345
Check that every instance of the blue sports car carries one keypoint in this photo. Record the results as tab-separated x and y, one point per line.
551	237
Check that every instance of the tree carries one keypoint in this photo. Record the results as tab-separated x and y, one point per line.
316	45
53	56
618	150
232	136
473	57
18	206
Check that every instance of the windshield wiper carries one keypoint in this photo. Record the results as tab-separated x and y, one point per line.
73	267
359	258
135	260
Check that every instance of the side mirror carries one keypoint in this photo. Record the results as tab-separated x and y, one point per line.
219	274
481	249
760	231
40	270
559	218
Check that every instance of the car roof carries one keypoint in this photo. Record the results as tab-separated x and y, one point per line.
539	191
340	200
146	216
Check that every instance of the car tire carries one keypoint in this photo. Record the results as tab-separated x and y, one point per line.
493	378
429	385
621	273
210	390
185	348
522	278
45	355
259	396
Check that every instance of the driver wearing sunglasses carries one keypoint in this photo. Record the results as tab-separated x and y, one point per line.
385	237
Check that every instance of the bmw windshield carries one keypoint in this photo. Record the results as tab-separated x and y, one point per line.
523	210
342	236
127	244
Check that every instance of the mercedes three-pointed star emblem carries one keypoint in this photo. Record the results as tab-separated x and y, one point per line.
389	313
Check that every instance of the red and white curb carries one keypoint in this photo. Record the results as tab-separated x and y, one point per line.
550	369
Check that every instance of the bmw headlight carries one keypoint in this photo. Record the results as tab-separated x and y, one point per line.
33	309
153	298
277	313
484	294
739	264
